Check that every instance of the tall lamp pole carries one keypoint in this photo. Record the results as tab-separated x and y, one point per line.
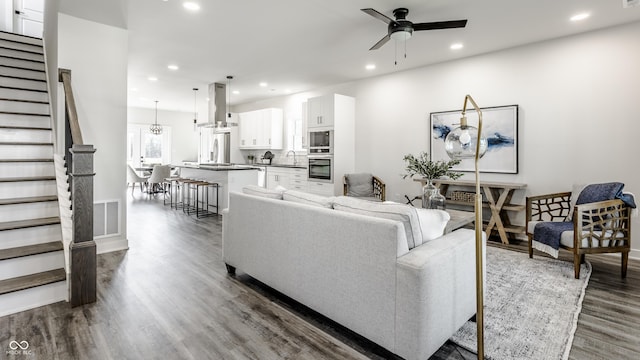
466	142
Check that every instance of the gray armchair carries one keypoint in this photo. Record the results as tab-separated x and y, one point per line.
363	185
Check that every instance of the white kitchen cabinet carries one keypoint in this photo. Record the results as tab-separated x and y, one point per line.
261	129
320	188
289	178
320	112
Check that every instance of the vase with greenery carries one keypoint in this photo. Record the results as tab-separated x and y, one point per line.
430	170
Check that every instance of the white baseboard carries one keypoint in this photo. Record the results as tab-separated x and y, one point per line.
106	245
634	254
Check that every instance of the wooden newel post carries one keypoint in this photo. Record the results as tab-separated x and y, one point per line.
83	249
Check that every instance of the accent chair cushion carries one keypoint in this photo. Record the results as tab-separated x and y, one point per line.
406	214
263	192
359	185
308	198
432	223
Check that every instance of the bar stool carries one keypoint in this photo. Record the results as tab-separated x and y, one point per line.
189	187
205	186
167	183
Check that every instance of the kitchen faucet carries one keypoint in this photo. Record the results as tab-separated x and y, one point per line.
295	162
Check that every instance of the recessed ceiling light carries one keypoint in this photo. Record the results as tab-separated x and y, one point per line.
173	67
287	91
263	84
190	5
456	46
235	92
152	78
579	17
370	67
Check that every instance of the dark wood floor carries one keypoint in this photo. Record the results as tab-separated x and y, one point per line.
169	297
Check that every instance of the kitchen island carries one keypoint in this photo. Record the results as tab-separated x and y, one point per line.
229	178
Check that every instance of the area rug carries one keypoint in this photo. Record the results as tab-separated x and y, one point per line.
531	307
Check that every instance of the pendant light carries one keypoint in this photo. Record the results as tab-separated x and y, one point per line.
195	109
155	128
229	78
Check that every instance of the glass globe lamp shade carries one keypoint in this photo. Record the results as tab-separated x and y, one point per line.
461	143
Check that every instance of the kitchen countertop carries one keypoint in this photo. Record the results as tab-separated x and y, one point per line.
213	167
281	165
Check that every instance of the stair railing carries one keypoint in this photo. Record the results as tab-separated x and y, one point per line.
79	161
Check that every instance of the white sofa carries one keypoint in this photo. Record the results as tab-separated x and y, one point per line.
356	270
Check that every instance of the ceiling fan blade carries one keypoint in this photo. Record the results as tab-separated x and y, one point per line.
440	25
382	41
378	15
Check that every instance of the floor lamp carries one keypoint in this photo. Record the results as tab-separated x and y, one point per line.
466	142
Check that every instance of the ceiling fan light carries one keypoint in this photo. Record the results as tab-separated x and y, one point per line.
401	35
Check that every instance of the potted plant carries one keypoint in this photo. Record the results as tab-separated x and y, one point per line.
430	170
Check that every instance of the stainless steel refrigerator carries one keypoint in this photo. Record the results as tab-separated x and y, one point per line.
214	146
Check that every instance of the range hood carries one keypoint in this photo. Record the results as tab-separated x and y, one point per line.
217	114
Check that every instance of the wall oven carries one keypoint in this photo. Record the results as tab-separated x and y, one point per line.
321	142
321	168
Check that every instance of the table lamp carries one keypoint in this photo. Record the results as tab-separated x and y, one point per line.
465	142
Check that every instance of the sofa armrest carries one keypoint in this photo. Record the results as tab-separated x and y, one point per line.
435	293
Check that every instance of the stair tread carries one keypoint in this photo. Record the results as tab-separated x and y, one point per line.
21	68
25	101
24	127
31	281
28	250
27	178
21	89
21	59
20	35
22	50
21	224
25	160
28	200
25	143
22	113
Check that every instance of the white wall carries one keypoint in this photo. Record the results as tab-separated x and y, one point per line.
6	15
578	110
184	141
50	39
96	54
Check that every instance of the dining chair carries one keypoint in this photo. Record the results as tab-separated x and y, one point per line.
157	178
133	178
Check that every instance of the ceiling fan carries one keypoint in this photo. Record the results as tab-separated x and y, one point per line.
402	29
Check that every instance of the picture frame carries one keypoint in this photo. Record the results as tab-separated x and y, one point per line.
499	127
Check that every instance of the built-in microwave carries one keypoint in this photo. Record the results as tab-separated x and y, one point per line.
321	142
320	168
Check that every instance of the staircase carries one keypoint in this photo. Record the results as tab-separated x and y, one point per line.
32	260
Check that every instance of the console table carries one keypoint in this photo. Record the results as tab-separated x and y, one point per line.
496	197
458	219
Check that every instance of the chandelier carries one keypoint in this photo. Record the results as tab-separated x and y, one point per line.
155	128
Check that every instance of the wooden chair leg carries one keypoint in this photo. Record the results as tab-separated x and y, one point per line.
576	265
625	261
530	242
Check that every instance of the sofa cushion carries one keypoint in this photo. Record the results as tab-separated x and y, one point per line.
388	210
359	185
432	223
308	198
260	191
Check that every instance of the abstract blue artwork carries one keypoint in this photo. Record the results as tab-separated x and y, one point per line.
499	127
